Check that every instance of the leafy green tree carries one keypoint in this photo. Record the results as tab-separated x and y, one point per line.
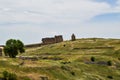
13	47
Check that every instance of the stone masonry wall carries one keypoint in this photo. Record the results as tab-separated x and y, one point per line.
52	40
0	51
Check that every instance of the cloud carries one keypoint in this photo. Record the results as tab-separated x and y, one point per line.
57	11
117	8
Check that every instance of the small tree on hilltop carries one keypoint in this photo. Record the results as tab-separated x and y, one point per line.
13	47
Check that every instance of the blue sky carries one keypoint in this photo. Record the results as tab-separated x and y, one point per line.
31	20
111	2
108	17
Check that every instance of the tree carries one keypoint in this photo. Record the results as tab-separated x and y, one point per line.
13	47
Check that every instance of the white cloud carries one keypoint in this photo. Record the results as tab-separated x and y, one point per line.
117	8
60	11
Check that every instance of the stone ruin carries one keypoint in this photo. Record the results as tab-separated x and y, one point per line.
52	40
73	37
0	51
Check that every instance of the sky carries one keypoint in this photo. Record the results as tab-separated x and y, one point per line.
32	20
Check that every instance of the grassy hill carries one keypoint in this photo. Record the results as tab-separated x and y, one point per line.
69	60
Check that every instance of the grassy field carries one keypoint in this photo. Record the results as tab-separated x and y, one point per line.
68	60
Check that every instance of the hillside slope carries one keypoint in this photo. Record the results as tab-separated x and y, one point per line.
69	60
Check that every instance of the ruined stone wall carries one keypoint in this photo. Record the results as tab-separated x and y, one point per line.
48	40
58	39
33	45
1	51
52	40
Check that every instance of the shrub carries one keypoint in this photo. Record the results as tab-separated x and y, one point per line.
73	73
9	76
12	76
93	59
66	62
5	75
64	45
110	77
119	58
56	58
117	52
25	78
109	63
65	68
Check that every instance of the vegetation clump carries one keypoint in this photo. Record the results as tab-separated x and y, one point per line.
73	73
93	59
9	76
13	47
109	63
110	77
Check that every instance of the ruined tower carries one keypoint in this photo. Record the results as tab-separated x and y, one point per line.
73	38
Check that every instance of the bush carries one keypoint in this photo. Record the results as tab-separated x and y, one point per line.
12	76
93	59
119	58
66	62
25	78
117	52
5	75
110	77
67	68
9	76
109	63
73	73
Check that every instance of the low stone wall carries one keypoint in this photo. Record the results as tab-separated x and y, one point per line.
28	58
33	45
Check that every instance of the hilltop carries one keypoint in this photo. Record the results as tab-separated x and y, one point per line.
68	60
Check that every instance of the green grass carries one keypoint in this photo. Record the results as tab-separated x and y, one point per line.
68	60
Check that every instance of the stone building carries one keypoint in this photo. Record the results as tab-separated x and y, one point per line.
0	51
48	40
58	39
73	38
52	40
